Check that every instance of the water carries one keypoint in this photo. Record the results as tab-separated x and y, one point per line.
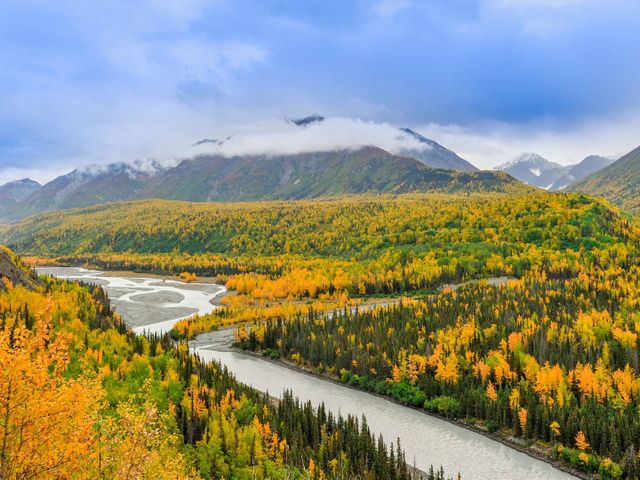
147	304
152	304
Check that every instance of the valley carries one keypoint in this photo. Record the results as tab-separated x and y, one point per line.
355	240
457	449
541	356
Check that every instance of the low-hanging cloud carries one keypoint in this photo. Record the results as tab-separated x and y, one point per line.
279	136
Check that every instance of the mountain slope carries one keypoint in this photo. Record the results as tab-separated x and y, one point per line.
311	175
258	177
574	173
435	155
14	270
14	192
80	188
619	182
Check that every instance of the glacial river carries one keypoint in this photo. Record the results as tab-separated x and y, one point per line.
154	305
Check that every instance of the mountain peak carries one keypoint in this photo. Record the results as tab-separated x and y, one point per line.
23	181
308	120
530	160
432	154
536	170
16	191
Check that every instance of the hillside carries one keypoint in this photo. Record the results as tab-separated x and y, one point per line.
261	177
619	182
385	233
84	398
435	155
311	175
14	271
14	192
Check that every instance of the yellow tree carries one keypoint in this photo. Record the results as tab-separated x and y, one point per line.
46	421
581	441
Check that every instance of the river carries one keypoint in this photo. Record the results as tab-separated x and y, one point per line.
154	305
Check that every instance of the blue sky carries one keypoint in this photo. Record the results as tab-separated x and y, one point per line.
93	82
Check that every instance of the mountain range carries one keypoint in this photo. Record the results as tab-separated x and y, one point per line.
537	171
423	165
258	177
619	182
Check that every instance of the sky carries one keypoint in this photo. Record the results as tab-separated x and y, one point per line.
110	81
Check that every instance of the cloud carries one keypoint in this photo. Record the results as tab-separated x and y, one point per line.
98	82
146	144
489	144
277	136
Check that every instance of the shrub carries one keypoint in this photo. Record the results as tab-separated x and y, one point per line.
445	405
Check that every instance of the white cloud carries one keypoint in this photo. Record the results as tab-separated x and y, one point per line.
166	133
489	144
276	136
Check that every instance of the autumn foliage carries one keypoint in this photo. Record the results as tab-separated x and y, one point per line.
81	397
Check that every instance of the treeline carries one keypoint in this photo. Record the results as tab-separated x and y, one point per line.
552	356
82	397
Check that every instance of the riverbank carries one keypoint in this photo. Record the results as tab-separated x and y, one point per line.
129	273
148	304
425	438
223	338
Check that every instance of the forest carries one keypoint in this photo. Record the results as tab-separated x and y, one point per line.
83	397
548	355
279	255
551	356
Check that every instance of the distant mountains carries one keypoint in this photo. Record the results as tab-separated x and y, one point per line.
619	182
79	188
260	177
537	171
435	155
15	192
431	152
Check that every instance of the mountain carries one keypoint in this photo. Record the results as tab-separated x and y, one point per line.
434	154
259	177
308	120
574	173
431	152
13	192
89	186
589	165
310	175
18	190
619	182
535	170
